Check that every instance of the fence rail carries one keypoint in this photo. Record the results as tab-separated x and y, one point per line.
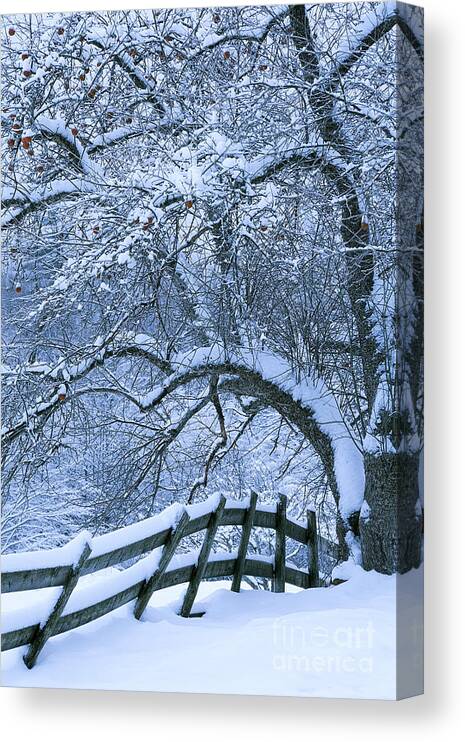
64	567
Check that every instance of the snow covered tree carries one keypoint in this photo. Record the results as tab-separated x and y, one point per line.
214	213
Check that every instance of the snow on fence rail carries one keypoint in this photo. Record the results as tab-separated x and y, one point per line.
159	537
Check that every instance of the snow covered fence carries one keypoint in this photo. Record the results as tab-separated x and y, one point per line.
158	536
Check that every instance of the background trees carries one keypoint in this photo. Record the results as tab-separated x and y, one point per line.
213	235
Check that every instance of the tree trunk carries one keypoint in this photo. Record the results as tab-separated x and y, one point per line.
390	519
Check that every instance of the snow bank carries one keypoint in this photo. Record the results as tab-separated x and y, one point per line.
190	558
118	580
330	642
347	570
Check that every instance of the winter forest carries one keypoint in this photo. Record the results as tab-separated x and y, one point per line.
212	271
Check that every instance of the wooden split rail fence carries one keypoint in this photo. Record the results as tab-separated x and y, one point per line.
194	567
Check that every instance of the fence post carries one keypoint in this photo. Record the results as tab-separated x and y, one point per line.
279	577
149	587
245	537
46	631
313	562
201	565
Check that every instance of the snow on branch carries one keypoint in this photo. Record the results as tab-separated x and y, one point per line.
257	34
308	402
101	40
319	154
22	202
375	24
69	138
266	371
65	373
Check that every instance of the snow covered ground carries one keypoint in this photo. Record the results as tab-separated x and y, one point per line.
331	642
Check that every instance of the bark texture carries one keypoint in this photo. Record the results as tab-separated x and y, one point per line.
391	525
